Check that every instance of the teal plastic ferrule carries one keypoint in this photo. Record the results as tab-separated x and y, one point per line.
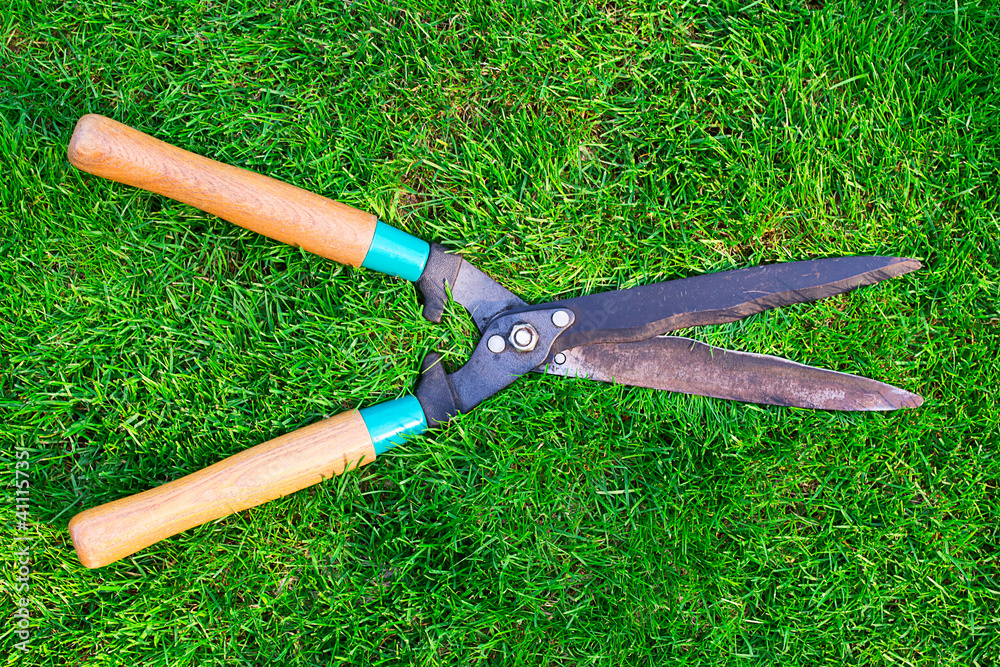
389	423
395	252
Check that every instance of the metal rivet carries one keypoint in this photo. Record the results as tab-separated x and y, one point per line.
560	358
496	344
560	318
524	337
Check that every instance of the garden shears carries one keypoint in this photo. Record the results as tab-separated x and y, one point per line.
611	337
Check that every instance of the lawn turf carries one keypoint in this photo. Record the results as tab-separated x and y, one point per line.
565	148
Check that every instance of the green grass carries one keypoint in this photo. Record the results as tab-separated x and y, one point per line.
567	148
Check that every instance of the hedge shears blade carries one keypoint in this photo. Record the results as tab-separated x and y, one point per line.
610	337
686	366
616	337
615	346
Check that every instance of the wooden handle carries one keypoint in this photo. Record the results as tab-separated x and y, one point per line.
281	211
270	470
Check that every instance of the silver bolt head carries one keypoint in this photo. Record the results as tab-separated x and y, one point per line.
524	337
560	358
496	344
560	318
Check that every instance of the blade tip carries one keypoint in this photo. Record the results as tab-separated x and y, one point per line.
907	264
903	400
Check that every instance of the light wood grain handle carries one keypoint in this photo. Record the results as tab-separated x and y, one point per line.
270	470
109	149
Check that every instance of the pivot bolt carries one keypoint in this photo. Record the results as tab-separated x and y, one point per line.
523	337
496	344
560	318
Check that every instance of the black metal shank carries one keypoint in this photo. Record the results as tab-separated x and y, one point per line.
443	396
479	294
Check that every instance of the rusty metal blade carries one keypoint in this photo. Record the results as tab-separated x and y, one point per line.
642	312
687	366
